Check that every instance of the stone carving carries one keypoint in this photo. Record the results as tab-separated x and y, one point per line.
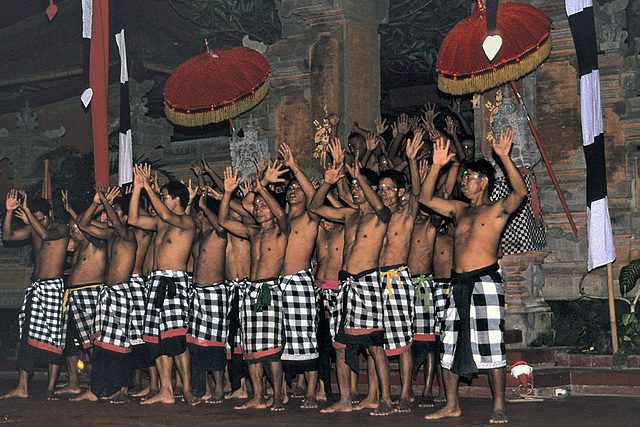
4	133
244	150
55	133
611	20
27	118
255	45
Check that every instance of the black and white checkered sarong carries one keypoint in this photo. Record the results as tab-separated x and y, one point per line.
425	320
138	295
486	323
328	304
440	301
208	311
399	301
167	313
43	301
113	318
300	316
235	291
81	306
360	301
262	332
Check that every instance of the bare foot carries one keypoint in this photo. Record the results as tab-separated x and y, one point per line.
162	397
191	399
321	396
440	398
150	395
338	407
445	412
278	405
178	392
69	389
426	402
140	393
367	403
216	397
382	410
256	402
135	390
51	395
309	403
87	395
355	398
299	393
120	397
17	392
498	417
238	394
403	406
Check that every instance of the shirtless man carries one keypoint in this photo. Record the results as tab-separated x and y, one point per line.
167	306
261	305
300	355
40	319
207	332
478	226
361	325
86	277
112	369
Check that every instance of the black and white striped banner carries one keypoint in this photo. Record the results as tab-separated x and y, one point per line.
125	154
581	21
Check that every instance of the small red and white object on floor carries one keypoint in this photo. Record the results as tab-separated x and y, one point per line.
523	372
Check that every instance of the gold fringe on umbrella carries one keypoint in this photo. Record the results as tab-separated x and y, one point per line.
216	115
484	82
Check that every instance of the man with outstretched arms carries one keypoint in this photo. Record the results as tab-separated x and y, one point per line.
166	319
476	300
112	371
300	355
209	301
41	315
360	311
261	305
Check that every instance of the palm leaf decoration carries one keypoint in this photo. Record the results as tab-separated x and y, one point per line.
629	275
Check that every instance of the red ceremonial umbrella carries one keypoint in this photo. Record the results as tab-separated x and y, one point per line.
216	86
463	66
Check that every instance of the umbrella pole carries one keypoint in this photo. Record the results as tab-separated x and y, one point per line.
546	161
612	310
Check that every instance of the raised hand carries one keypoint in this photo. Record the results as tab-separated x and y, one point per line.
274	171
261	163
502	145
12	202
424	170
112	193
287	156
381	125
333	174
403	124
337	152
456	105
141	175
414	145
247	186
196	168
231	179
441	154
334	119
435	134
205	165
22	199
372	141
451	128
20	213
354	170
428	116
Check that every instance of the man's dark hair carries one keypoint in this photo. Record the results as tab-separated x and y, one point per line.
123	202
176	189
372	178
355	135
212	204
38	204
483	167
397	177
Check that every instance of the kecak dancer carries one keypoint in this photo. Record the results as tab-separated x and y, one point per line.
261	306
166	319
360	302
473	337
41	316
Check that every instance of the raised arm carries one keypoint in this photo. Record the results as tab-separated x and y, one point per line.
121	228
281	217
317	206
237	228
441	156
372	197
214	176
305	183
84	222
413	147
140	173
502	147
8	232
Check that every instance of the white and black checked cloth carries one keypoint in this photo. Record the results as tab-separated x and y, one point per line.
113	318
138	295
300	309
261	331
399	301
487	312
425	318
43	300
208	311
360	301
441	301
167	305
235	291
81	309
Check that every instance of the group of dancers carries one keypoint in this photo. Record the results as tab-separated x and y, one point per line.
392	253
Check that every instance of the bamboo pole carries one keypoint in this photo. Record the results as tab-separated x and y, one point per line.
612	310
